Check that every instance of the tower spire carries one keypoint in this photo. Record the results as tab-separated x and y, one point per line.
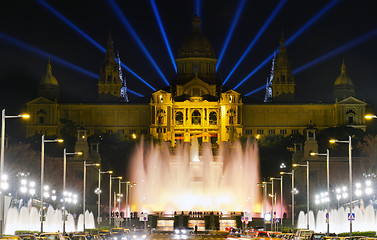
268	96
123	90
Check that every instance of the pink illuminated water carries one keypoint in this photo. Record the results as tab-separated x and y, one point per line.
193	180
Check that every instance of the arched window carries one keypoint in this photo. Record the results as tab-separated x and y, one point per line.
212	118
350	115
196	118
231	114
160	116
179	118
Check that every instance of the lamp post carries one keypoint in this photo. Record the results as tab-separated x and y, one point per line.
128	198
293	195
272	204
111	178
99	194
281	199
263	184
84	187
307	190
349	171
3	117
64	179
42	172
327	154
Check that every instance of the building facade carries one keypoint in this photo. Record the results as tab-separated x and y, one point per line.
195	105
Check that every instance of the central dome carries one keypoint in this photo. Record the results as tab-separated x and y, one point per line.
196	45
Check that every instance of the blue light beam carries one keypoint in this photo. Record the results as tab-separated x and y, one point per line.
155	10
197	6
128	27
56	59
256	90
256	38
340	49
69	23
230	33
42	53
134	93
78	30
299	32
312	21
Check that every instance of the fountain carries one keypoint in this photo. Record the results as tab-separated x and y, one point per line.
187	179
365	220
28	219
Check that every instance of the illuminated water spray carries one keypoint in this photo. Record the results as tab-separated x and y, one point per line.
189	178
256	38
137	39
290	40
78	30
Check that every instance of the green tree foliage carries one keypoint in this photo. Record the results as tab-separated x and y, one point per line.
69	133
274	150
115	151
368	150
340	133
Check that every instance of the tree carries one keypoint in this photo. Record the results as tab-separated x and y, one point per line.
274	150
368	152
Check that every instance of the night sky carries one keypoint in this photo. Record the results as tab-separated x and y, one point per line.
33	24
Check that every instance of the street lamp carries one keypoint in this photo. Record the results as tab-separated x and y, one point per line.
349	171
64	179
3	117
281	199
264	186
99	194
111	178
42	172
307	190
370	116
327	154
293	195
128	198
83	199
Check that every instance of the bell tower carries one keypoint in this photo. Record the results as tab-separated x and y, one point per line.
283	84
110	83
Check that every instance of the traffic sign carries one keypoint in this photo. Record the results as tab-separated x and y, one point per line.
327	215
277	220
351	216
143	217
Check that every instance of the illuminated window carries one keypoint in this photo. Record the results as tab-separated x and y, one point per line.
179	118
212	118
231	114
160	116
196	118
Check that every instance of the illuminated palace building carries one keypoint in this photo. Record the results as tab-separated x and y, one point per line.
195	104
